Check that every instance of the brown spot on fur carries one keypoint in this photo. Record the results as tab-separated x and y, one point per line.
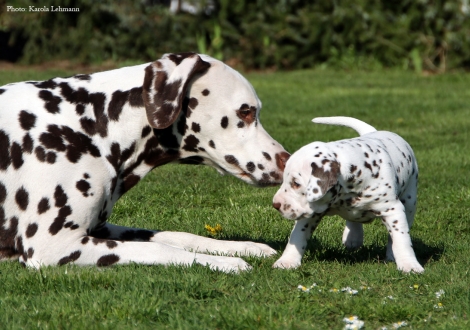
327	179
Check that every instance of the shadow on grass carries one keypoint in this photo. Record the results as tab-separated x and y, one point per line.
318	250
367	253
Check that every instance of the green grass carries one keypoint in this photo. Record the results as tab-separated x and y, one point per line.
431	113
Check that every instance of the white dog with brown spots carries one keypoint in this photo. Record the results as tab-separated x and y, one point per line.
359	179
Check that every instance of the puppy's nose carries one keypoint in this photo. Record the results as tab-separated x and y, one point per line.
277	206
281	160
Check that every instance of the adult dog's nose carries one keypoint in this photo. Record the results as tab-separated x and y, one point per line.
277	206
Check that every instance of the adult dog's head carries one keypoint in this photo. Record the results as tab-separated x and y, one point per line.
309	174
212	111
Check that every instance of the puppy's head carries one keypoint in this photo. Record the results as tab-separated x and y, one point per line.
309	174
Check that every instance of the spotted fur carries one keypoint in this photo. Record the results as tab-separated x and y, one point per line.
71	147
360	179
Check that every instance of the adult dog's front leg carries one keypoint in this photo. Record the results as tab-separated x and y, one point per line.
186	241
89	250
295	249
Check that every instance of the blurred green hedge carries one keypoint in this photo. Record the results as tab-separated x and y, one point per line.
285	34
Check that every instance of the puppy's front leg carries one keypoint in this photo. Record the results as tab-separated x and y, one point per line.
353	235
295	249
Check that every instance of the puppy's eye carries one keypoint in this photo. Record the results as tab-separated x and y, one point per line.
294	184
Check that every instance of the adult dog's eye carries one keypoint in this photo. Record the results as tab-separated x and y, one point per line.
245	113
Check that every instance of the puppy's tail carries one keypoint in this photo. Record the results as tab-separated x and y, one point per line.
356	124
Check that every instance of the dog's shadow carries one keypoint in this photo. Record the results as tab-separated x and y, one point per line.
323	251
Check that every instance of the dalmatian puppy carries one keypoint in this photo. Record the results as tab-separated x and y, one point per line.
71	147
359	179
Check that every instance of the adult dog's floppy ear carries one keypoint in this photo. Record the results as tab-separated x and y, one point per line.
323	178
165	86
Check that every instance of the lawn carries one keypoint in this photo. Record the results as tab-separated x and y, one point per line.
432	113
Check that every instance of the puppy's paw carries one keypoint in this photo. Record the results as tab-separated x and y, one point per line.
353	244
286	264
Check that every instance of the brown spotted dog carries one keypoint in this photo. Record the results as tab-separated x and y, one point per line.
71	147
360	179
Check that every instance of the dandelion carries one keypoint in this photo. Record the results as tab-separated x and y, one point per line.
213	230
349	290
353	322
334	290
439	293
439	306
414	287
399	324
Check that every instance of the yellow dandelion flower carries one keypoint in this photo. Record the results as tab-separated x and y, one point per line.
213	230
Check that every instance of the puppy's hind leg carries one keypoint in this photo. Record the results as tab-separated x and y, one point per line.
400	240
409	199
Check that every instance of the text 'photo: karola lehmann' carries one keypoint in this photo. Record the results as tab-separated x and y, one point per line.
42	9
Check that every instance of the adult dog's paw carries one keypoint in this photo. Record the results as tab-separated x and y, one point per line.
251	249
224	264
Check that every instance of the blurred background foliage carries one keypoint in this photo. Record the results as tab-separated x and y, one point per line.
431	35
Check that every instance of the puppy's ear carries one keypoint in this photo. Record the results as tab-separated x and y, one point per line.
323	178
165	86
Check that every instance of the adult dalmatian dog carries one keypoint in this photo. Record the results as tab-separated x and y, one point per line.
70	148
359	179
